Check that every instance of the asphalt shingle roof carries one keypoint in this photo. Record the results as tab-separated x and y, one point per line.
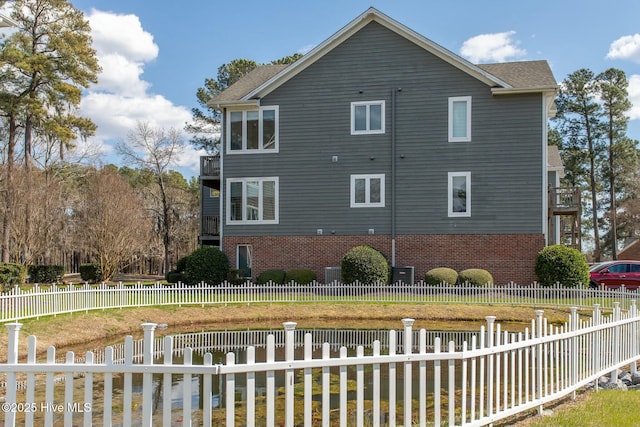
248	83
522	75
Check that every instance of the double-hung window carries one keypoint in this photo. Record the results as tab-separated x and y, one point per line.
252	200
459	188
367	117
253	130
460	119
367	191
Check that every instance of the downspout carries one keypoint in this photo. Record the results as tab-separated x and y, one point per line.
393	176
222	197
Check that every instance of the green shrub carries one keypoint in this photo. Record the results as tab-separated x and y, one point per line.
181	264
90	273
441	275
365	265
45	273
207	264
174	276
301	276
475	277
562	264
11	274
274	276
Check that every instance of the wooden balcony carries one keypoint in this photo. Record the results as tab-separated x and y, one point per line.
565	211
564	201
210	226
210	166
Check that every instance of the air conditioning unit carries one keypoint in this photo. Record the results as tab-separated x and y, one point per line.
332	274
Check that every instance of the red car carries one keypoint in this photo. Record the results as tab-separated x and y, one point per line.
613	274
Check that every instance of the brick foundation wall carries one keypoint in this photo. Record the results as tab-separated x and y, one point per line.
508	257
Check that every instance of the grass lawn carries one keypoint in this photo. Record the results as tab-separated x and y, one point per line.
604	408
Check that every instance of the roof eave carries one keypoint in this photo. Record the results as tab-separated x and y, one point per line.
549	90
355	25
5	22
235	104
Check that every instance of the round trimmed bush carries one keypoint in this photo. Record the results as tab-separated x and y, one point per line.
11	274
562	264
365	265
475	277
274	276
207	264
301	276
441	275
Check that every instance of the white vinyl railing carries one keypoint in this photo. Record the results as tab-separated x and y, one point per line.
496	375
53	300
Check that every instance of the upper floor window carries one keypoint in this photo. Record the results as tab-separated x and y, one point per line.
459	188
253	130
367	191
252	200
367	117
460	119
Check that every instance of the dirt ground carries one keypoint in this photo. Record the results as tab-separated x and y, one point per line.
74	278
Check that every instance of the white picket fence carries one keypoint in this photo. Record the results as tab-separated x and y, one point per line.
53	300
495	376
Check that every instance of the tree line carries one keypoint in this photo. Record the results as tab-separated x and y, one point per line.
55	203
599	157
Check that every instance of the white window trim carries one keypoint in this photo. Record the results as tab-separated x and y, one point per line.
368	104
367	191
260	148
245	221
450	210
467	138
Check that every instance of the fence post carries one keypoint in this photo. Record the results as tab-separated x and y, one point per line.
490	375
289	340
12	359
596	343
147	384
573	354
613	379
634	334
539	358
408	344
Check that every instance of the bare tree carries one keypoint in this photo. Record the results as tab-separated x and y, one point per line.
111	221
44	198
156	150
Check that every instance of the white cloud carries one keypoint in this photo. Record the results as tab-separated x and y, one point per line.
121	34
497	47
626	47
634	96
122	98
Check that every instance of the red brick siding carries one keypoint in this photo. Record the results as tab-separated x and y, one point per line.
507	257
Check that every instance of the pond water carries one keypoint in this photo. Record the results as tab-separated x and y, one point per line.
218	397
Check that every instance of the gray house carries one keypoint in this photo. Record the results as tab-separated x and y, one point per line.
379	136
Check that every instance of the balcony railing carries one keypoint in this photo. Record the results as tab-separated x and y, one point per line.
210	166
564	199
211	225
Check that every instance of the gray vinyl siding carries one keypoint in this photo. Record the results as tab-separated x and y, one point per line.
504	156
210	205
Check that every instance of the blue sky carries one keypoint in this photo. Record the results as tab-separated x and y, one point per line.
155	54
